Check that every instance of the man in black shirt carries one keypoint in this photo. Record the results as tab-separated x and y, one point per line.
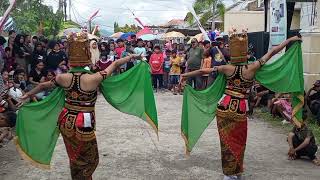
56	58
302	143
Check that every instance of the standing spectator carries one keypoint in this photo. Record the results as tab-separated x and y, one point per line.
38	54
140	50
175	71
174	47
2	59
29	50
207	45
156	63
302	143
149	49
218	59
206	63
313	100
34	42
107	56
56	58
94	50
133	41
194	63
12	37
20	52
166	69
119	52
9	60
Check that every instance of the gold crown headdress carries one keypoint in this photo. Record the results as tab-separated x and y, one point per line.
238	44
79	50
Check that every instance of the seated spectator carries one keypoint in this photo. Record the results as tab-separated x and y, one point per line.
206	63
281	106
50	75
302	143
20	79
5	77
36	74
7	121
313	100
263	96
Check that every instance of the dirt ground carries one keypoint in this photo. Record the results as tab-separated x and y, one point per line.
129	149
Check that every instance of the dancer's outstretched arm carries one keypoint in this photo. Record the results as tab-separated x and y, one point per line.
99	76
39	88
275	50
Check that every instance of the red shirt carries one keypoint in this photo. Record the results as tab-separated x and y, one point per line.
119	51
156	63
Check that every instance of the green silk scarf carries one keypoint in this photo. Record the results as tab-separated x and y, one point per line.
285	75
37	131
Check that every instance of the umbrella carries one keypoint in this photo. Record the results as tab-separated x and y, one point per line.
199	37
148	37
116	35
143	31
126	35
174	34
68	31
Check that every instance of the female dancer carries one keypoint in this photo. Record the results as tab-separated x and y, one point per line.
232	109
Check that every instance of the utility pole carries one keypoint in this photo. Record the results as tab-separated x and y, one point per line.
65	9
70	10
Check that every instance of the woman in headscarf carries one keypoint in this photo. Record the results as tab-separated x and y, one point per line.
20	52
95	53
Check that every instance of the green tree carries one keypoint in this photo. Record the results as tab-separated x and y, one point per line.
126	28
30	14
207	9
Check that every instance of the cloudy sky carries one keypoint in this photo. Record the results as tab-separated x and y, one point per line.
151	12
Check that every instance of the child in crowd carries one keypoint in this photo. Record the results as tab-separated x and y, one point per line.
140	50
206	63
156	63
166	69
175	71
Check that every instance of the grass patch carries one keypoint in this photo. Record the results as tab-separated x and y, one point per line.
262	113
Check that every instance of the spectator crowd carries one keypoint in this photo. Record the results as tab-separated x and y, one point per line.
26	61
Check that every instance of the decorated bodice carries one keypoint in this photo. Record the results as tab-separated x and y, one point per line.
237	84
78	99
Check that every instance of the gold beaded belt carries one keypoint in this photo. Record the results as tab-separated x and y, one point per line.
235	94
79	108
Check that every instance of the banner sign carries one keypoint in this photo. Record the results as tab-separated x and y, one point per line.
278	25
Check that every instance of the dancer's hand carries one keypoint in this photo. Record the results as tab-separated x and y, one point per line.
24	97
182	82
